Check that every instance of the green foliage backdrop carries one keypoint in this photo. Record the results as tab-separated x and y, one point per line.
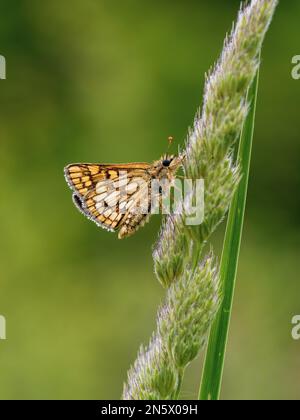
110	81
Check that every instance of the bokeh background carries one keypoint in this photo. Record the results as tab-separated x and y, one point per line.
102	80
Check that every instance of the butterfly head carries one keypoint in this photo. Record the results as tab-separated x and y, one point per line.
166	162
167	166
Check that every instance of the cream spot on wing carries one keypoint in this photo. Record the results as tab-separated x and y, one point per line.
122	205
101	187
100	207
121	182
112	198
132	187
100	197
107	213
114	216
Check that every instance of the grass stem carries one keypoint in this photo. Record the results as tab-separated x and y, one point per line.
215	356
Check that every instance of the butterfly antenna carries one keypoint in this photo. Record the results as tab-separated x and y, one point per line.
170	141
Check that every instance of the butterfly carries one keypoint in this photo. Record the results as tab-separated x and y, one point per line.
117	196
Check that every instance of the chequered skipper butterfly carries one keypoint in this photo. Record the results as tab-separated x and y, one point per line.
98	191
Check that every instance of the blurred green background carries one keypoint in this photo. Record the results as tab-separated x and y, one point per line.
106	80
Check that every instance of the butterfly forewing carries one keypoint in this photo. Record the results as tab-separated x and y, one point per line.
99	193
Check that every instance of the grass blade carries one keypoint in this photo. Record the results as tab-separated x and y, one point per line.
214	362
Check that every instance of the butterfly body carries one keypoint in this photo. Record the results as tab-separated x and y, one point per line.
111	194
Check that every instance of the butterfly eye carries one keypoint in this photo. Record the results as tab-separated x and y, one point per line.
166	163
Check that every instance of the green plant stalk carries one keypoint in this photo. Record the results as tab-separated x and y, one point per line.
215	356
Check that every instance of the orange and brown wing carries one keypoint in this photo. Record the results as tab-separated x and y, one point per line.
91	186
82	177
